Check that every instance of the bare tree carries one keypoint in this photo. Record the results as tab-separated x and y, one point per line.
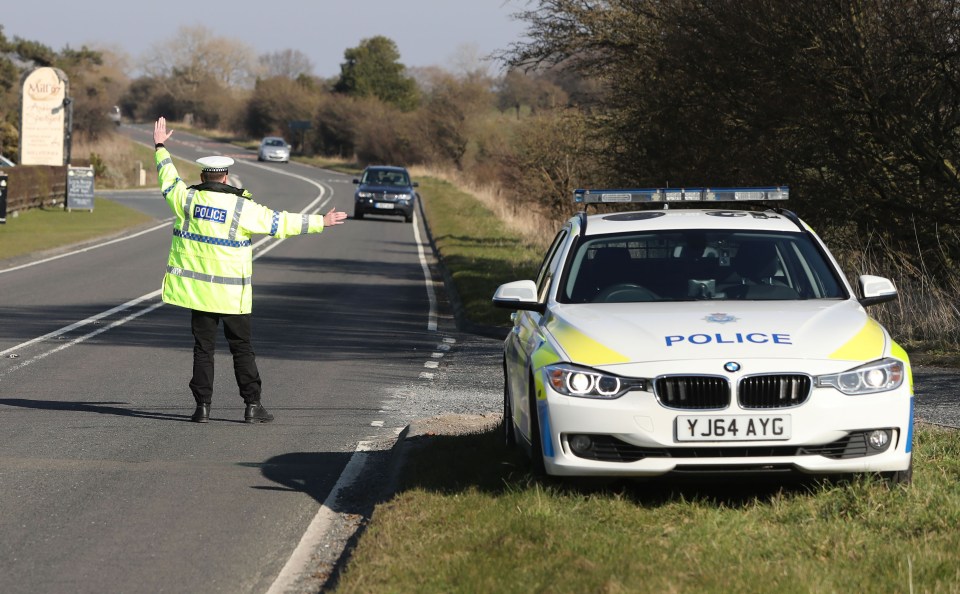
195	55
288	63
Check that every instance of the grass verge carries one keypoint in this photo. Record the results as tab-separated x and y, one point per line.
477	249
470	518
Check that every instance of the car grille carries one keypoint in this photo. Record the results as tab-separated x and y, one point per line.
851	446
607	448
693	392
388	196
773	391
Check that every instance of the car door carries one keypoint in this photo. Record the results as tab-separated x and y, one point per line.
526	336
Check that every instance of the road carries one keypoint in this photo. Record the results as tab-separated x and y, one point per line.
105	485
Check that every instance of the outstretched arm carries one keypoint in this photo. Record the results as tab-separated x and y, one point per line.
160	134
333	218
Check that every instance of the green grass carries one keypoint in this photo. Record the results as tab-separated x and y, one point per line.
37	230
470	518
476	248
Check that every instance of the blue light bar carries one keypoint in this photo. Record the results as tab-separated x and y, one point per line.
680	195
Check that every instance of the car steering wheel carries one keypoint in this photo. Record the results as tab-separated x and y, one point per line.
625	293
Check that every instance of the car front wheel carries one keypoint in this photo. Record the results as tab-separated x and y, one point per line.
509	437
900	477
536	445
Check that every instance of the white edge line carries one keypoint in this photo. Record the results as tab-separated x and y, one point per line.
428	280
301	557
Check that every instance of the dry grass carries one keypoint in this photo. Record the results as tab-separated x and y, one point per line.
536	229
116	160
925	316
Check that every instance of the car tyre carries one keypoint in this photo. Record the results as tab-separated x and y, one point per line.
900	477
408	218
536	445
357	215
509	437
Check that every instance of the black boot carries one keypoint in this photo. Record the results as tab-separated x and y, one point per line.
202	414
255	413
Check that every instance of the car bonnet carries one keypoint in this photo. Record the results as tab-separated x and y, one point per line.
618	333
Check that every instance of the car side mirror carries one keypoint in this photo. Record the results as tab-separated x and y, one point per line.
518	295
875	289
416	184
356	181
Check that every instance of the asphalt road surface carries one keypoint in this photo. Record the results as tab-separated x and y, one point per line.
105	485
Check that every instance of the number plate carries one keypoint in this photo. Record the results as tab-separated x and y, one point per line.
733	428
386	205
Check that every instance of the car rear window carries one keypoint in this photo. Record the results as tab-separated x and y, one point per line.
699	265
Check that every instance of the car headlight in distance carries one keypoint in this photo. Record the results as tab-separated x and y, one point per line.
879	376
582	382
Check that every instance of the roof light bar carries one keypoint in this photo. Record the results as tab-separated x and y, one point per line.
680	195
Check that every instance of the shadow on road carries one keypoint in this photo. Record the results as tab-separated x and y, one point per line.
100	408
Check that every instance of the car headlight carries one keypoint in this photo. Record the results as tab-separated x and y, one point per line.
582	382
364	194
879	376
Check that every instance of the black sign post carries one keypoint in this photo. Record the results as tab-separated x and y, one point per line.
79	188
3	198
301	126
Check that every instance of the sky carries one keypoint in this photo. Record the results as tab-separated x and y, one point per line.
427	32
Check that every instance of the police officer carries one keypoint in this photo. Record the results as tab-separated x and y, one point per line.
209	269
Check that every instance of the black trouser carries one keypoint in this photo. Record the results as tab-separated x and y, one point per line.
236	328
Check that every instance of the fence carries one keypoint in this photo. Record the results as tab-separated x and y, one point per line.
35	186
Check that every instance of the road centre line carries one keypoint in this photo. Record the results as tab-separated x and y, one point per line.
80	339
318	203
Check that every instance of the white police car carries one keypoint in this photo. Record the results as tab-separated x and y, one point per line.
701	340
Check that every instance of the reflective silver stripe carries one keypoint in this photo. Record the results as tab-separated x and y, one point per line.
166	161
186	210
305	224
236	218
209	278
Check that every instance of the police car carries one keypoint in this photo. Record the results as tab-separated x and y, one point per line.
701	340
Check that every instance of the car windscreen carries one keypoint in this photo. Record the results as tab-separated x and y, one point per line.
381	177
274	142
698	265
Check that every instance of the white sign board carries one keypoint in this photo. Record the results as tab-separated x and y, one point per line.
42	117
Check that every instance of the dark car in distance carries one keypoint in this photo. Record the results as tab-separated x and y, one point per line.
385	190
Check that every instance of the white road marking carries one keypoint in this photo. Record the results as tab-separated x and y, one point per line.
300	560
431	364
426	375
428	280
318	202
164	225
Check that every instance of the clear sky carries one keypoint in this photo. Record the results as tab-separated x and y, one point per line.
427	32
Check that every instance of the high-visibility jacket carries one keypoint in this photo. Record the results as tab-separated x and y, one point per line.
210	267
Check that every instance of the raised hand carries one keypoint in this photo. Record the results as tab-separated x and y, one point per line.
160	134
